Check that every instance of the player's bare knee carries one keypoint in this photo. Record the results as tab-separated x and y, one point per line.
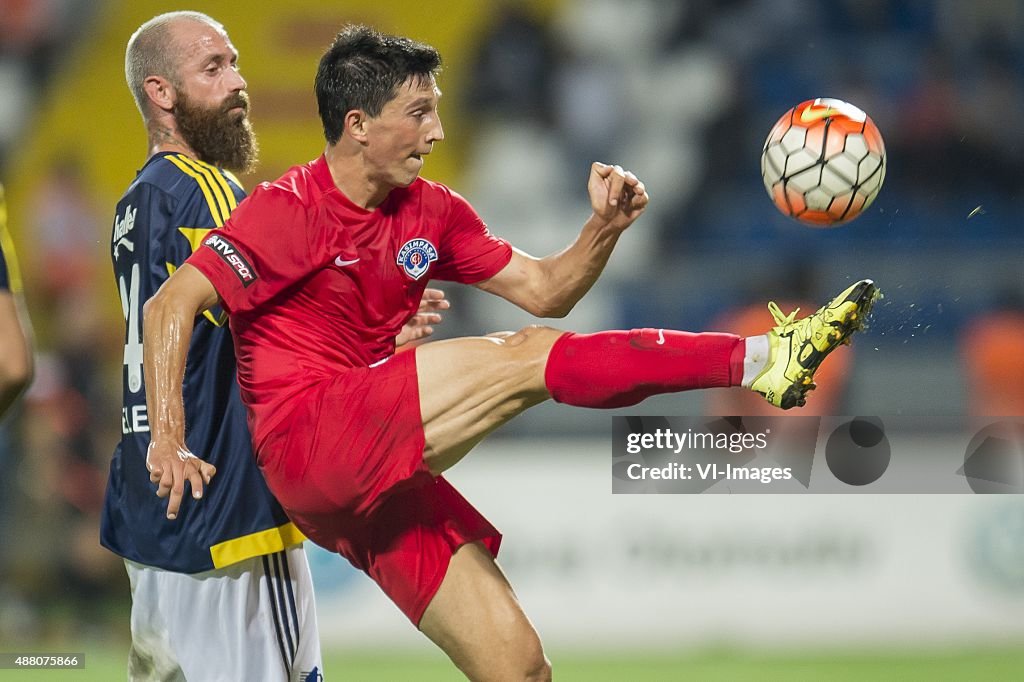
538	668
534	335
525	658
535	668
527	664
519	373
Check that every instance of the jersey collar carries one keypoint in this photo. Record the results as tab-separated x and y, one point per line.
322	174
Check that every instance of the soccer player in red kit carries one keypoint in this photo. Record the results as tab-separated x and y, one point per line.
319	270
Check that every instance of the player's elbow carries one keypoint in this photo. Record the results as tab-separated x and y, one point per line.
541	309
160	312
547	301
555	311
155	307
552	306
554	296
163	305
182	297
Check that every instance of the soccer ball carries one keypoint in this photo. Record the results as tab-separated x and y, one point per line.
823	162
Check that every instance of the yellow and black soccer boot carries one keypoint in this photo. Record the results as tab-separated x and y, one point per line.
797	347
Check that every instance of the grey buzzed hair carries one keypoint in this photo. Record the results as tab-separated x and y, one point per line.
150	52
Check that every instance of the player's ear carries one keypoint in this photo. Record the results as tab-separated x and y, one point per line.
160	92
356	123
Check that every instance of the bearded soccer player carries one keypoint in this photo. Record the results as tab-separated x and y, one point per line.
238	549
317	272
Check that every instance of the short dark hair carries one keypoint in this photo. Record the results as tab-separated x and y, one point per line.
363	69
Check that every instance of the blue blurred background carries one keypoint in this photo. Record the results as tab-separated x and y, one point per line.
683	93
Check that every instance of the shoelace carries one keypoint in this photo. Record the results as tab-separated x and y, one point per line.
780	319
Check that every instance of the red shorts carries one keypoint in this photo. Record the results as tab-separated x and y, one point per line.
347	466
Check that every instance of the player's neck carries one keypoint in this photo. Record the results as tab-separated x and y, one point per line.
165	139
351	177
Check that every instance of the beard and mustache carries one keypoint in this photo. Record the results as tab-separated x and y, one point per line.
217	135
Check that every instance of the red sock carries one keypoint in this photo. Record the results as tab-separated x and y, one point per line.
620	368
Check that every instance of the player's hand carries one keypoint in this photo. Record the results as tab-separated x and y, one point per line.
419	325
617	196
170	466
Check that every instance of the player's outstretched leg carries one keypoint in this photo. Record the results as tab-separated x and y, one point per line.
469	387
794	349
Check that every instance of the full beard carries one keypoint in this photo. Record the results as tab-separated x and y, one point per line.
216	134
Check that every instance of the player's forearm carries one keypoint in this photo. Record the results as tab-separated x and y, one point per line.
570	273
167	332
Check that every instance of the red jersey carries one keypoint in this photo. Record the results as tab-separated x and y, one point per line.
315	284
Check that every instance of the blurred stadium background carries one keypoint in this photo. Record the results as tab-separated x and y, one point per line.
683	93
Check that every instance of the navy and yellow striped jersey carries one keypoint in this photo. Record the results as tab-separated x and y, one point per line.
164	216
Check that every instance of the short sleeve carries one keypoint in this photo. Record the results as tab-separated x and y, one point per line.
261	250
471	253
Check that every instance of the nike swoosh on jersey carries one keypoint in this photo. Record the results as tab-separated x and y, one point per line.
342	263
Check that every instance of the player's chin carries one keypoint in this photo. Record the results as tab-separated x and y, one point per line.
410	171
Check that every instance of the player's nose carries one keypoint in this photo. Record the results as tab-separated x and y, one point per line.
436	132
235	81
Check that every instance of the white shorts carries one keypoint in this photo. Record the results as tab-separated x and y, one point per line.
254	620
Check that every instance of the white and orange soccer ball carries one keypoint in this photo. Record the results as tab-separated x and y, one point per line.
823	162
